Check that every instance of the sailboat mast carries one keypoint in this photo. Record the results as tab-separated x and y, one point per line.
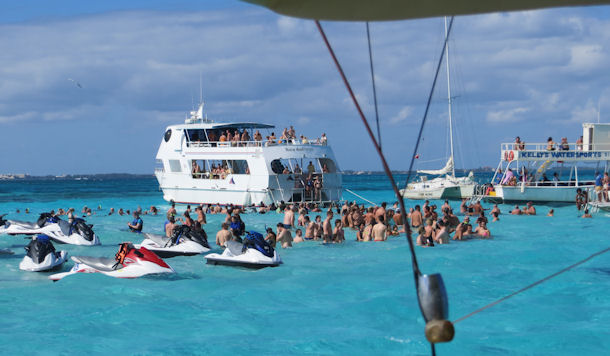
449	98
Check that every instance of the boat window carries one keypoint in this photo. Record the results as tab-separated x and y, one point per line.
167	135
218	169
195	135
328	165
174	166
287	166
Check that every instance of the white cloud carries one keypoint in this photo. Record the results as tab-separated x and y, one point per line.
402	115
507	116
585	113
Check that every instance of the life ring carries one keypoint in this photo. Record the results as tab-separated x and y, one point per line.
511	156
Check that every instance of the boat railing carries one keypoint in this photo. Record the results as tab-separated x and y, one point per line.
550	183
265	143
514	146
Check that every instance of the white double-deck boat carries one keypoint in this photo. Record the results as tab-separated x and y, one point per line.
196	166
551	175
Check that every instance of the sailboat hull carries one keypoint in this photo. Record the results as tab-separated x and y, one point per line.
448	188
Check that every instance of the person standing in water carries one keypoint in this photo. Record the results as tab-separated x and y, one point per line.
137	223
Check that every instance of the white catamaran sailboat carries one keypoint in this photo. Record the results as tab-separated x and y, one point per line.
446	185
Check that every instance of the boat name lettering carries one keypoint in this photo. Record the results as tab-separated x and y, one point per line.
564	154
298	149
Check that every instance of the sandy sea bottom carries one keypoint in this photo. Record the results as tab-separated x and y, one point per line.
354	298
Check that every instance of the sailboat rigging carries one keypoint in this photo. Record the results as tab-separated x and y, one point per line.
446	185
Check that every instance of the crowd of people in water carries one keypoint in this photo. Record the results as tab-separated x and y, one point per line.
314	222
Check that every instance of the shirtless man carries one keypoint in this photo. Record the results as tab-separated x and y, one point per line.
379	232
298	236
442	236
327	229
338	233
289	217
301	219
516	210
464	206
530	209
429	234
477	208
223	235
284	237
169	227
416	218
309	228
357	218
380	211
317	229
495	209
445	205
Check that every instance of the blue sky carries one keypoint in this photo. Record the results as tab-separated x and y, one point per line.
534	74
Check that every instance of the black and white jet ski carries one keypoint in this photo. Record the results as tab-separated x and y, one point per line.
254	252
41	256
76	233
184	242
129	262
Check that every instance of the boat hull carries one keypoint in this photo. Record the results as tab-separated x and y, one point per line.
559	194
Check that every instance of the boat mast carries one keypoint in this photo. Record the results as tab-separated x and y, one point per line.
449	99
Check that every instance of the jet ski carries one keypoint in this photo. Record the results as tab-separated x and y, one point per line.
76	233
129	262
254	252
184	242
41	256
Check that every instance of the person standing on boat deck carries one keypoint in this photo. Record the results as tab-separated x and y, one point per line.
380	230
310	168
599	186
579	144
292	135
297	169
317	187
284	237
323	139
581	199
257	136
517	144
606	185
416	218
223	235
564	146
289	217
137	223
550	144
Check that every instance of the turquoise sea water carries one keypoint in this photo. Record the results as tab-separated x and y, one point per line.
355	298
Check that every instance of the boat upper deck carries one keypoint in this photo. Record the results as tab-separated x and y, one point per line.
568	152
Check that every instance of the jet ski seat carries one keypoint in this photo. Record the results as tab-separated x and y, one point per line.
100	263
64	226
158	239
26	224
235	248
